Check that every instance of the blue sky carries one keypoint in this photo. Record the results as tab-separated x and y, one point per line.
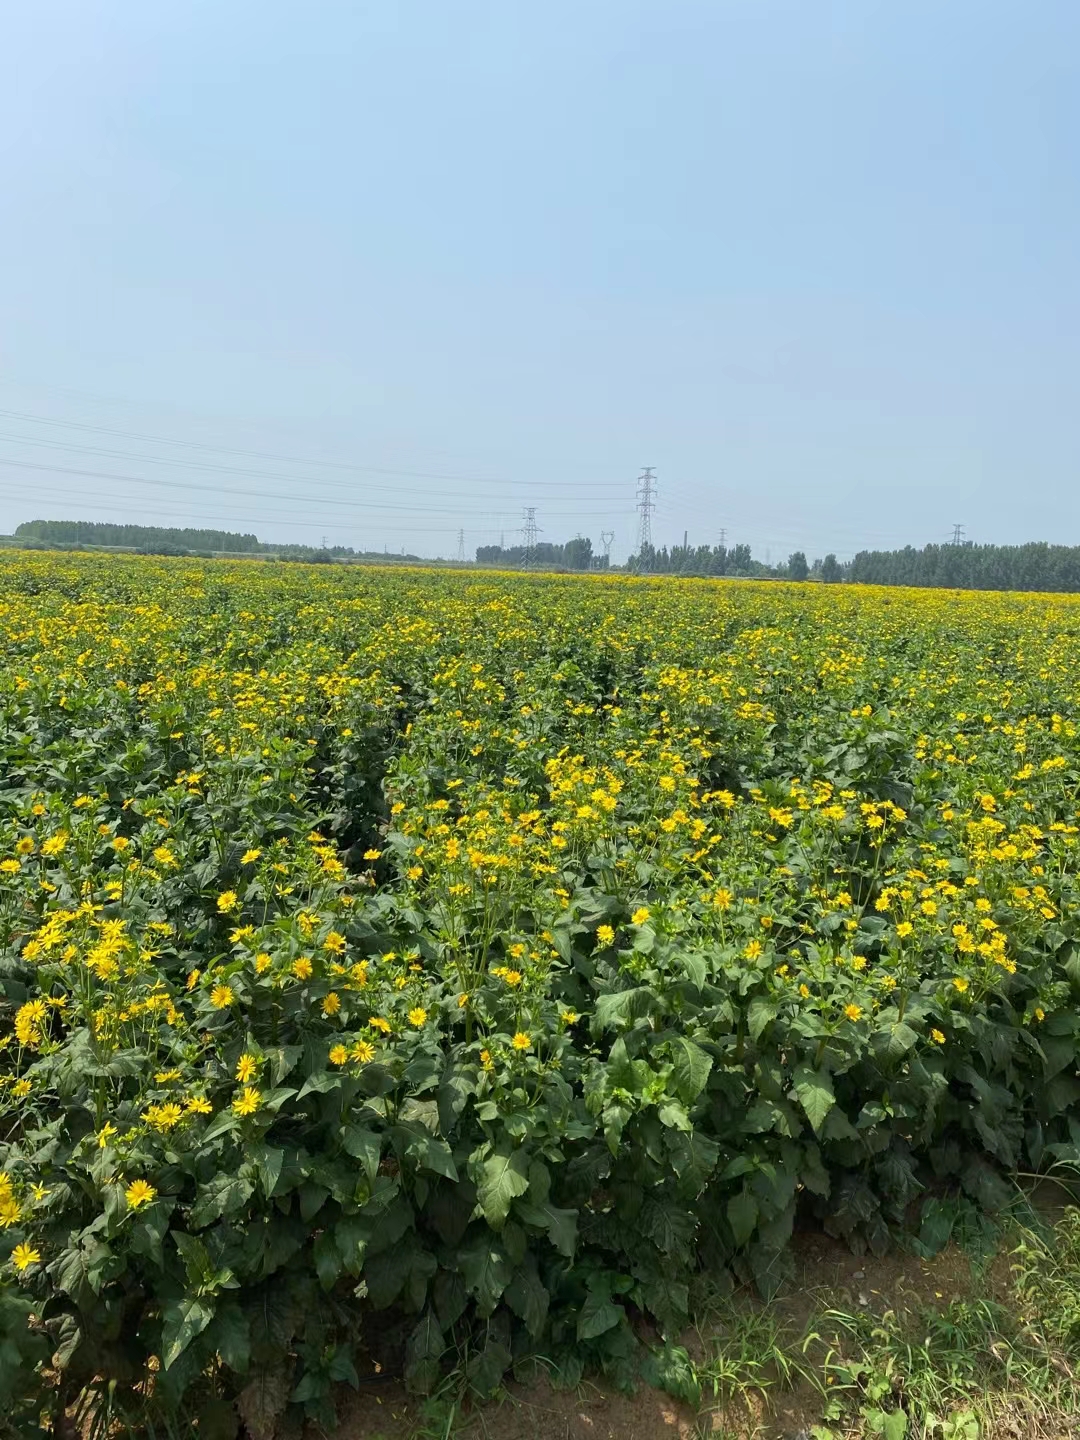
816	262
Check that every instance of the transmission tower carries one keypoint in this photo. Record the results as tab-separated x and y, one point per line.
723	537
957	534
646	504
529	532
606	537
461	545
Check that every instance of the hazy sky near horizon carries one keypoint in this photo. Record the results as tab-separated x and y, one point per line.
388	270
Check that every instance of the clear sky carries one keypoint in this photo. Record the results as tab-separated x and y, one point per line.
817	261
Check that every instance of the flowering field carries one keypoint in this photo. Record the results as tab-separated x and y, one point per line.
501	951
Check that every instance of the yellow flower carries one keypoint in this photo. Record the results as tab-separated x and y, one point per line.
418	1017
10	867
139	1193
853	1012
332	1004
23	1256
1039	1013
105	1134
334	942
248	1101
569	1017
166	1077
904	929
250	856
55	843
754	950
486	1060
604	935
246	1067
521	1041
640	915
960	983
222	996
804	991
363	1051
21	1089
192	979
378	1023
25	846
338	1055
227	902
302	968
198	1105
372	854
937	1037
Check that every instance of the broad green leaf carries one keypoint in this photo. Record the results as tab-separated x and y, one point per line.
762	1012
742	1214
423	1354
182	1320
487	1270
814	1092
502	1177
690	1068
561	1225
365	1146
597	1315
528	1299
224	1195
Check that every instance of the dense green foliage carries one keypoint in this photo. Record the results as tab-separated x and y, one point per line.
1035	566
500	951
100	532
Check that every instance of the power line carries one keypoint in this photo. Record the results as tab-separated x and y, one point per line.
268	455
646	504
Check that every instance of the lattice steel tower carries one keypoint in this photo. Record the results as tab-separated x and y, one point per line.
646	504
529	532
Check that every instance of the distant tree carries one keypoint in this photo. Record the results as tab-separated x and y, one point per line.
830	570
797	567
577	553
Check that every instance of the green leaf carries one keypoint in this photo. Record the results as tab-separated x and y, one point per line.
502	1177
224	1195
561	1225
894	1041
690	1068
762	1012
268	1161
670	1368
365	1146
528	1299
814	1092
423	1354
742	1214
231	1337
327	1258
597	1315
487	1271
182	1320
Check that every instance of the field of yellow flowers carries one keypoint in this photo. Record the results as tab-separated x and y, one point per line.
499	951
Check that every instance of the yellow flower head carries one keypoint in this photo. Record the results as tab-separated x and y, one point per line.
246	1067
338	1055
23	1256
250	856
302	968
248	1101
853	1012
417	1017
222	996
521	1041
228	901
640	915
332	1004
604	935
937	1037
139	1193
364	1052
